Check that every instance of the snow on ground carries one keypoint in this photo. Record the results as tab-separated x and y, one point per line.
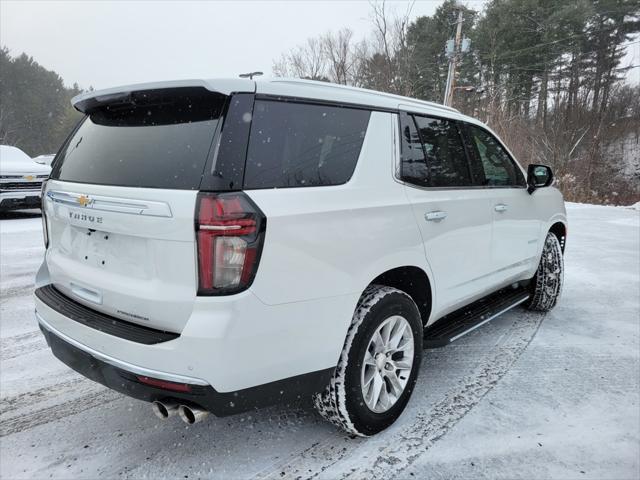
526	396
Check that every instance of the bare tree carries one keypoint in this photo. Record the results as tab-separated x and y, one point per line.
338	50
382	63
334	57
361	55
563	62
392	48
305	61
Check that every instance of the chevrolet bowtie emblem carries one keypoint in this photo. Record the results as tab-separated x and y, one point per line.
28	177
84	200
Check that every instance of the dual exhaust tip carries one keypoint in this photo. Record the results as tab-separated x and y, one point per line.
187	413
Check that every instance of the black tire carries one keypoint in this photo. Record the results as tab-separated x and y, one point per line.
546	285
342	402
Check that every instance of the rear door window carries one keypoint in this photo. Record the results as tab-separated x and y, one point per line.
155	139
303	145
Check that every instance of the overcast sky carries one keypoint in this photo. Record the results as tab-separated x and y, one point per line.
109	43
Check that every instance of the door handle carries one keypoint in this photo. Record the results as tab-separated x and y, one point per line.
435	216
501	207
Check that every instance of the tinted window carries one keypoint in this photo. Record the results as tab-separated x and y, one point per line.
414	164
499	169
229	151
300	145
446	159
157	139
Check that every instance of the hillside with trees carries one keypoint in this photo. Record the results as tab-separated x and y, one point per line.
35	110
545	75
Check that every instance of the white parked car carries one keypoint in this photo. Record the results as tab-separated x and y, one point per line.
20	179
45	159
219	245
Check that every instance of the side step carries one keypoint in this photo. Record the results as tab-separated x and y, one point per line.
474	315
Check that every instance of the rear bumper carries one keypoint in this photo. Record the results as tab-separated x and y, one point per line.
232	344
49	330
123	377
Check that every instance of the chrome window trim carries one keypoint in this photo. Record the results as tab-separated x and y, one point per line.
397	160
470	187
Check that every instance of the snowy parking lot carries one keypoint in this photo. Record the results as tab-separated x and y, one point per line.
526	396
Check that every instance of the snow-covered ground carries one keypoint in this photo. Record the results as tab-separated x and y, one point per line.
526	396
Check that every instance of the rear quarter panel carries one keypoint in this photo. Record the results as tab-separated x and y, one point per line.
331	241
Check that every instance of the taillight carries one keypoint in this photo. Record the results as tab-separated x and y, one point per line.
230	233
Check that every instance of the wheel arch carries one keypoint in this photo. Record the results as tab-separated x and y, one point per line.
559	229
412	280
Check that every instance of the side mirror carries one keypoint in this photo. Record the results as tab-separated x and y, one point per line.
538	176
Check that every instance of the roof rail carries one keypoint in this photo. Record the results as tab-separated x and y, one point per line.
330	85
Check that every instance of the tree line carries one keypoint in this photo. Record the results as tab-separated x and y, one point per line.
35	110
547	76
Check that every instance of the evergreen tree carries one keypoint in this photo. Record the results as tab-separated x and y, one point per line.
35	110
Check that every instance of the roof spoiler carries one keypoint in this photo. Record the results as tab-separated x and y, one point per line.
85	102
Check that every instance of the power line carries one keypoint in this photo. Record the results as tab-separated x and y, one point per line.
593	50
514	52
526	68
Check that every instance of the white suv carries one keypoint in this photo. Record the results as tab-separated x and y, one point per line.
21	179
219	245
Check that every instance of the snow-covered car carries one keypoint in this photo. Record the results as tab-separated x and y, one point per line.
20	179
220	245
45	159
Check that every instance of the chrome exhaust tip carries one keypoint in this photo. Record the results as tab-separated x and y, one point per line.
164	410
191	415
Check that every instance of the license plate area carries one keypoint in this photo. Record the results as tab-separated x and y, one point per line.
83	240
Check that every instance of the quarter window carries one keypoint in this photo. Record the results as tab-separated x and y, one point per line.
414	163
302	145
499	168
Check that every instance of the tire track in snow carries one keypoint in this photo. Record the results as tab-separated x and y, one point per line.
430	423
23	344
56	412
23	410
30	399
23	349
8	342
16	291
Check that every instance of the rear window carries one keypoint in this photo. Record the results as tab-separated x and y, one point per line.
303	145
155	139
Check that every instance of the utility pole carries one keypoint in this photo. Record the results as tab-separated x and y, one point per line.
453	59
